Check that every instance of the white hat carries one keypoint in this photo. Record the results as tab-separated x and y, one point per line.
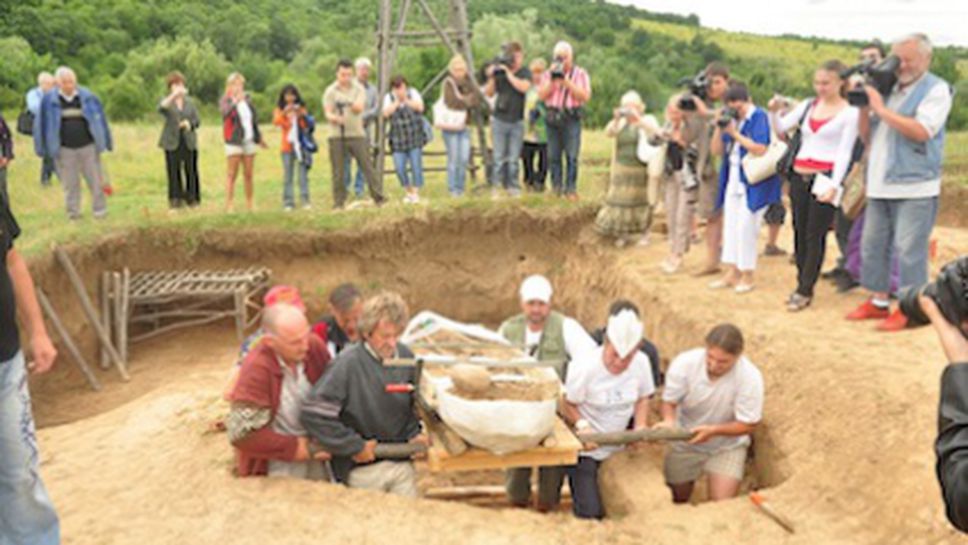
536	288
624	332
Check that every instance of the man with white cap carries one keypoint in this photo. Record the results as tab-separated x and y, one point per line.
611	387
717	393
548	336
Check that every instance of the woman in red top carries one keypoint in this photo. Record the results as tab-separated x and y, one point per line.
828	129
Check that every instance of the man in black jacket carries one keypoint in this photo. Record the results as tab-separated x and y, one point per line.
952	443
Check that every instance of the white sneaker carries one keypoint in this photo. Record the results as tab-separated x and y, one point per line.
307	206
287	208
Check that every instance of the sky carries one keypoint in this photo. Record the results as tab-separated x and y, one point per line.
944	21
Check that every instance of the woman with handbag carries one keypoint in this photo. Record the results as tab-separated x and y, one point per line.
742	133
627	213
451	116
821	152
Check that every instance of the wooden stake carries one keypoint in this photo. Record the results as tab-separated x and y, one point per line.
118	312
125	312
67	340
88	308
105	316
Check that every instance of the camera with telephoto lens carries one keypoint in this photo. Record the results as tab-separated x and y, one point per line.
625	112
697	88
558	68
504	58
727	115
882	76
949	291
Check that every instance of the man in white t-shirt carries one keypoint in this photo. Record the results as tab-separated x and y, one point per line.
718	394
548	336
613	385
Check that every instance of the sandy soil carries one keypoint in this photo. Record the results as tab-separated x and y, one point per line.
845	445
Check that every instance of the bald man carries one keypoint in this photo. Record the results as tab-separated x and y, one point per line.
275	378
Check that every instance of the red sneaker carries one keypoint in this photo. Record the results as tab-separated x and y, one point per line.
867	311
107	189
895	322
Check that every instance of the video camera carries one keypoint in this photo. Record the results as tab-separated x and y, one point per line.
697	88
949	291
882	76
504	58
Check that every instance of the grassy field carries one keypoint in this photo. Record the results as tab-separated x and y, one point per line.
137	171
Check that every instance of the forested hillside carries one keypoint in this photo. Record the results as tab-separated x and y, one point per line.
123	48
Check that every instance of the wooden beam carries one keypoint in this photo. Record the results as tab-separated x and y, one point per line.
105	316
89	311
68	341
626	437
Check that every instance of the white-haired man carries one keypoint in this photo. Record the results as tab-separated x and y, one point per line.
565	88
548	336
45	82
371	109
613	385
72	129
905	133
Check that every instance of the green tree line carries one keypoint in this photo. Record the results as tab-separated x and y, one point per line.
123	49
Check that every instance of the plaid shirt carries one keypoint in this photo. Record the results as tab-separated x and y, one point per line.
406	129
558	98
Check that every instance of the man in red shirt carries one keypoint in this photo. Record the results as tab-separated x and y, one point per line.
263	424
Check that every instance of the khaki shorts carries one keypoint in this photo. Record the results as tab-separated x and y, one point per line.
708	195
686	466
247	148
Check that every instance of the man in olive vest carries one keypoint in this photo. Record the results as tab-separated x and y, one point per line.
548	336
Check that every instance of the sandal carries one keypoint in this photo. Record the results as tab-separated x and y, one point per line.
720	284
743	288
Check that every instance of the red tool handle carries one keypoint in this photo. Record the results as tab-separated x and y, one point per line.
399	388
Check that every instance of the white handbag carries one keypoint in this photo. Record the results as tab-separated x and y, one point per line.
645	151
760	167
446	118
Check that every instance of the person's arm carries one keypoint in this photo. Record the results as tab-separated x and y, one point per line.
611	129
580	88
322	409
279	117
569	411
782	124
490	88
577	340
372	110
390	106
33	100
521	85
226	105
108	141
546	88
747	411
329	108
952	341
845	148
193	115
864	125
676	388
416	102
909	127
716	143
249	424
706	432
951	446
668	413
359	104
640	420
759	139
41	349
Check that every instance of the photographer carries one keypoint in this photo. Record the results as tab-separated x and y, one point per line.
565	89
699	118
507	80
344	102
905	134
948	313
741	129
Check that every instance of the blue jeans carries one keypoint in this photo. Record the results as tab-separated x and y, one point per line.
348	181
901	225
567	139
290	163
585	496
458	144
507	139
415	158
27	516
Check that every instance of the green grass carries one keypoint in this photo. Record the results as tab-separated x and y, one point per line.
137	170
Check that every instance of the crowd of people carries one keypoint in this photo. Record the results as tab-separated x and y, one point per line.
310	401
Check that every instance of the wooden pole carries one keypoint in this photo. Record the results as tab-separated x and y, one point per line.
88	308
383	81
67	340
769	511
626	437
125	312
391	451
118	317
105	316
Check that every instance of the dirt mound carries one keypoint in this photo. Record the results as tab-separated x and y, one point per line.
845	445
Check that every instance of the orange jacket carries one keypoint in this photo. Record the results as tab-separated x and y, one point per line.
281	120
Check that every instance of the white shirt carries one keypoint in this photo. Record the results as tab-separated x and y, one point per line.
605	400
295	389
245	117
735	396
577	340
832	143
734	184
412	94
931	114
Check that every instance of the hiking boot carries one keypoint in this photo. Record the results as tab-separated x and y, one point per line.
895	322
845	283
868	311
772	250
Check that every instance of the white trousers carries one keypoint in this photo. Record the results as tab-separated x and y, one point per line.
741	230
386	476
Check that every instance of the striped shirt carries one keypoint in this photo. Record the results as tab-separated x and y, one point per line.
561	97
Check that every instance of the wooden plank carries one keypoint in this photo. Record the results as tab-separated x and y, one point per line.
67	340
88	308
105	316
565	452
463	493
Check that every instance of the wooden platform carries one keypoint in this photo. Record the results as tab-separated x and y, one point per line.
565	452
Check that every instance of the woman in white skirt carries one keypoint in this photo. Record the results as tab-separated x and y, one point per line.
742	128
